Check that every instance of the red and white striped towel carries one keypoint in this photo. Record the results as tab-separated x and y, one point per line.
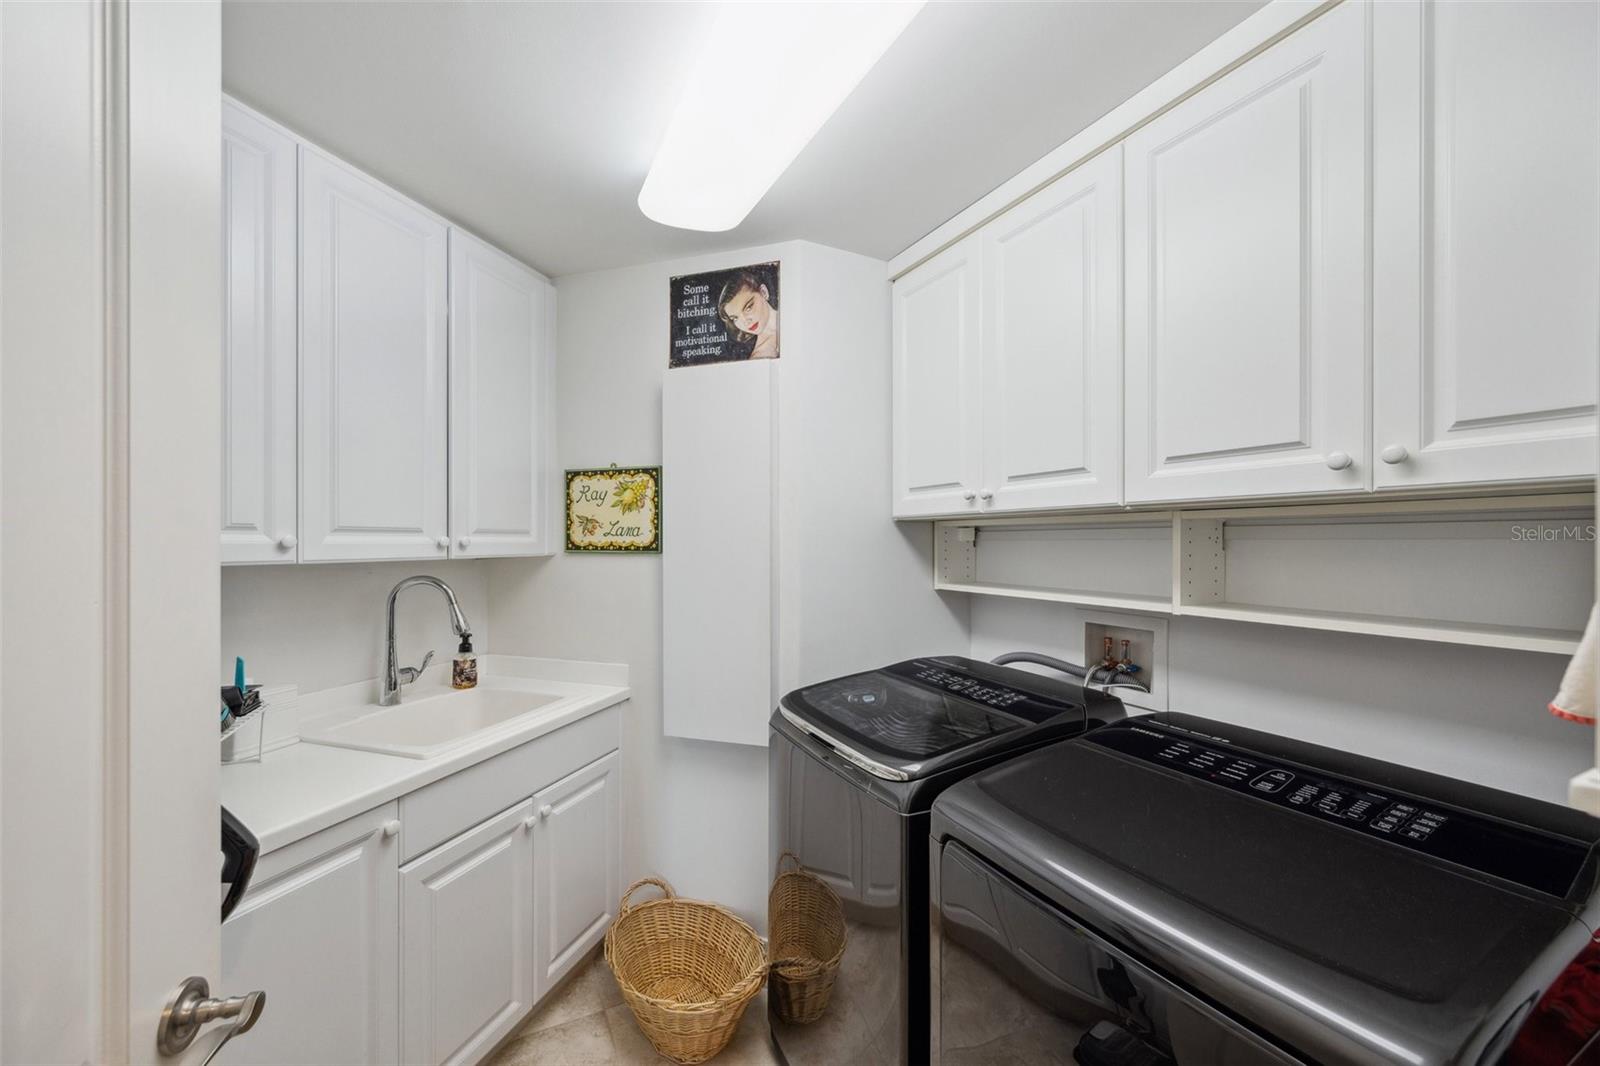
1576	699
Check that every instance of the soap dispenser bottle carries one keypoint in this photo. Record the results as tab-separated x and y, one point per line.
464	668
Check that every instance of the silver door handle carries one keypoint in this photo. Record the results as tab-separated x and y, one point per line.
192	1006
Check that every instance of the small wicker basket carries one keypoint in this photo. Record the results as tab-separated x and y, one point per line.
687	970
806	931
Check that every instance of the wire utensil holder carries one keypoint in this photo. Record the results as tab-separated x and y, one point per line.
242	738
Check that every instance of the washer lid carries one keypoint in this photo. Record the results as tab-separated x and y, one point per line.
1355	910
915	717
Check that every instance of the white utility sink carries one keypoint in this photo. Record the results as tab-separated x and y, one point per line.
434	718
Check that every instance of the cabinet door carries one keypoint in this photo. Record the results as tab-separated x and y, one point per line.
1052	345
373	403
467	976
936	383
1486	241
501	408
258	343
577	867
319	931
1246	291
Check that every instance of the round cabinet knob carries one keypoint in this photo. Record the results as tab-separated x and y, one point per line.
969	495
287	541
1394	453
443	543
463	542
530	823
391	829
1338	461
985	495
546	811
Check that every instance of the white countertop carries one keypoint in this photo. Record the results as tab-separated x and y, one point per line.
303	788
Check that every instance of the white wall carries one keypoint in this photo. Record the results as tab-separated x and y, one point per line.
1473	713
695	811
321	626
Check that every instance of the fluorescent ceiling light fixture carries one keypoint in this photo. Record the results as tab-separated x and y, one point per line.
766	78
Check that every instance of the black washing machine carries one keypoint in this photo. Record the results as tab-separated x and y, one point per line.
855	764
1170	889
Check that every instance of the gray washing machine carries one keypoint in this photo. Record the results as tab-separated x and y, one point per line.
1174	890
855	764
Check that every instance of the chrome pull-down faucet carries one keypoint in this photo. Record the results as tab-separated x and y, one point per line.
393	674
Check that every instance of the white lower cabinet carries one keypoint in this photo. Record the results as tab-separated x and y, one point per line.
577	866
367	962
467	930
319	930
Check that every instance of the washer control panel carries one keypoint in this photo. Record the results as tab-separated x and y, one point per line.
951	680
1527	856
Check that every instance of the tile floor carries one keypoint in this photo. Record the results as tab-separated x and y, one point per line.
585	1023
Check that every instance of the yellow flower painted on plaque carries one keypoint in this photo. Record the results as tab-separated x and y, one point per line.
631	494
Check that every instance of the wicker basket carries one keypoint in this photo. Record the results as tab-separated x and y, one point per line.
805	928
687	969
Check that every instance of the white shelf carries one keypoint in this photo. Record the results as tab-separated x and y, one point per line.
1381	568
1520	638
1083	598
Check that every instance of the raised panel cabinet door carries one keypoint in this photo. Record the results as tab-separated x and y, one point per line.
1052	345
259	491
936	385
319	931
1246	277
577	867
1486	241
501	407
373	269
467	975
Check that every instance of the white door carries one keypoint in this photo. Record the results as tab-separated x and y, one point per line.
937	454
468	972
110	205
1052	345
373	444
1486	241
501	407
259	490
318	930
1246	290
577	871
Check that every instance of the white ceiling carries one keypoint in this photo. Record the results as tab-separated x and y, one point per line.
533	124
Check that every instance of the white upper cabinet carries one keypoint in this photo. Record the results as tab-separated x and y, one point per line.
1486	241
373	393
501	409
1052	345
937	461
259	522
1246	281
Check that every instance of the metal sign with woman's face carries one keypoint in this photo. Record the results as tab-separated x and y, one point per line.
724	316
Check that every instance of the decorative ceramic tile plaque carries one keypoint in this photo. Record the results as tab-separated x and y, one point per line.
616	509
